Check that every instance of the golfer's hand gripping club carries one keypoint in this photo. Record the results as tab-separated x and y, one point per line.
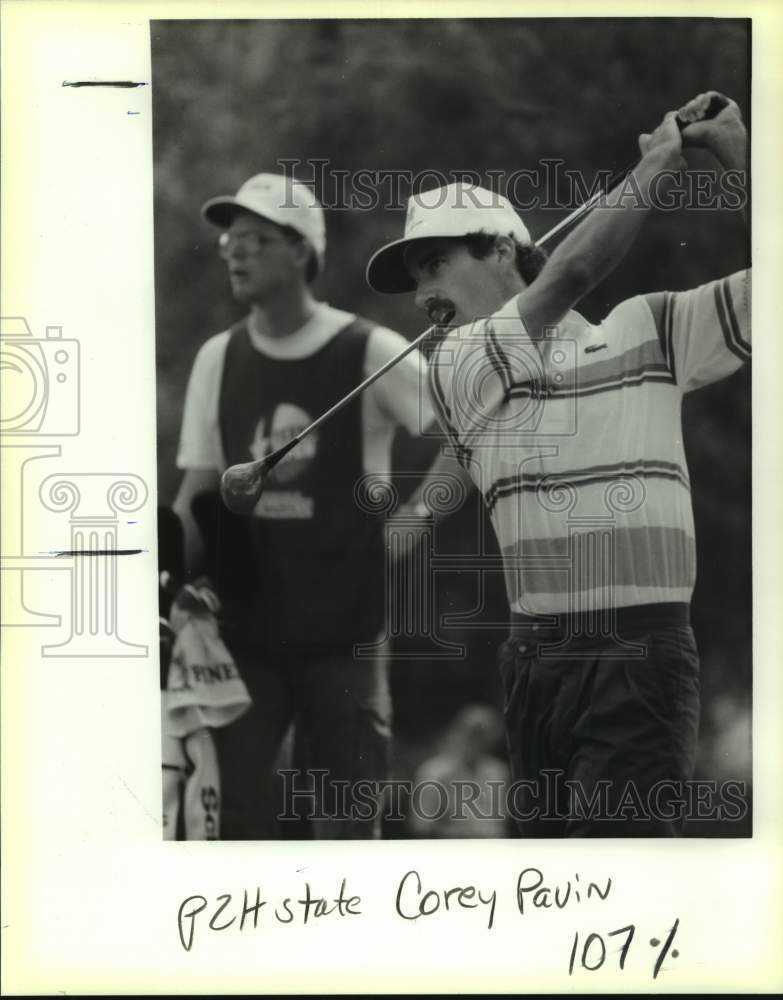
717	102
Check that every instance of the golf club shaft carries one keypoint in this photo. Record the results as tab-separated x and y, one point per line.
357	390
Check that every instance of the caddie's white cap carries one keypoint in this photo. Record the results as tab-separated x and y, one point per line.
451	211
277	198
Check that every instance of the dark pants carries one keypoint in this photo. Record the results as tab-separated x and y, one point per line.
341	710
592	736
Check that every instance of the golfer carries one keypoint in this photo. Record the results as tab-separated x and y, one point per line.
309	573
572	432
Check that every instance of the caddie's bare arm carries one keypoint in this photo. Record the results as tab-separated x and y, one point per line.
444	468
194	481
598	244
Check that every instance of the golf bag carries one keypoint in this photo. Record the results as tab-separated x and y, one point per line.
201	689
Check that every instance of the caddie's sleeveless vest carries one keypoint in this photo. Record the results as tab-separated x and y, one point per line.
316	557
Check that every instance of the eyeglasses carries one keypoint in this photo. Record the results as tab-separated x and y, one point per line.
249	243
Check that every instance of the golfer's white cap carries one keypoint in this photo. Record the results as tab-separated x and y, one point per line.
279	199
450	211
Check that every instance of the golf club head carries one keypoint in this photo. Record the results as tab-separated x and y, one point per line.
242	485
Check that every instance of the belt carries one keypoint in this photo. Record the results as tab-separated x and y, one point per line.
601	622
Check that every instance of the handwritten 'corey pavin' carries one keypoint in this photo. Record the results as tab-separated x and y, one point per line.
533	892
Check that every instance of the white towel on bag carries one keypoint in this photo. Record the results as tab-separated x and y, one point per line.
204	691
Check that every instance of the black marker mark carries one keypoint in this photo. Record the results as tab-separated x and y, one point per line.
102	83
98	552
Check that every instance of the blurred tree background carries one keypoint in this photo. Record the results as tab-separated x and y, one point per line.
232	98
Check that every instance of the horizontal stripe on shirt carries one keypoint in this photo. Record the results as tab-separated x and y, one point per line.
544	603
604	558
632	367
658	373
532	482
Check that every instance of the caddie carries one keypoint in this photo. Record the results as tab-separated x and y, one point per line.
312	566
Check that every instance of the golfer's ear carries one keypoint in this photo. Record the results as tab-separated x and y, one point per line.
505	249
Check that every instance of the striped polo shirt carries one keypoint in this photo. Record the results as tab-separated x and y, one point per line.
575	441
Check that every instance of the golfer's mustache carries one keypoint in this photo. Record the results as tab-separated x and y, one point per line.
440	310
